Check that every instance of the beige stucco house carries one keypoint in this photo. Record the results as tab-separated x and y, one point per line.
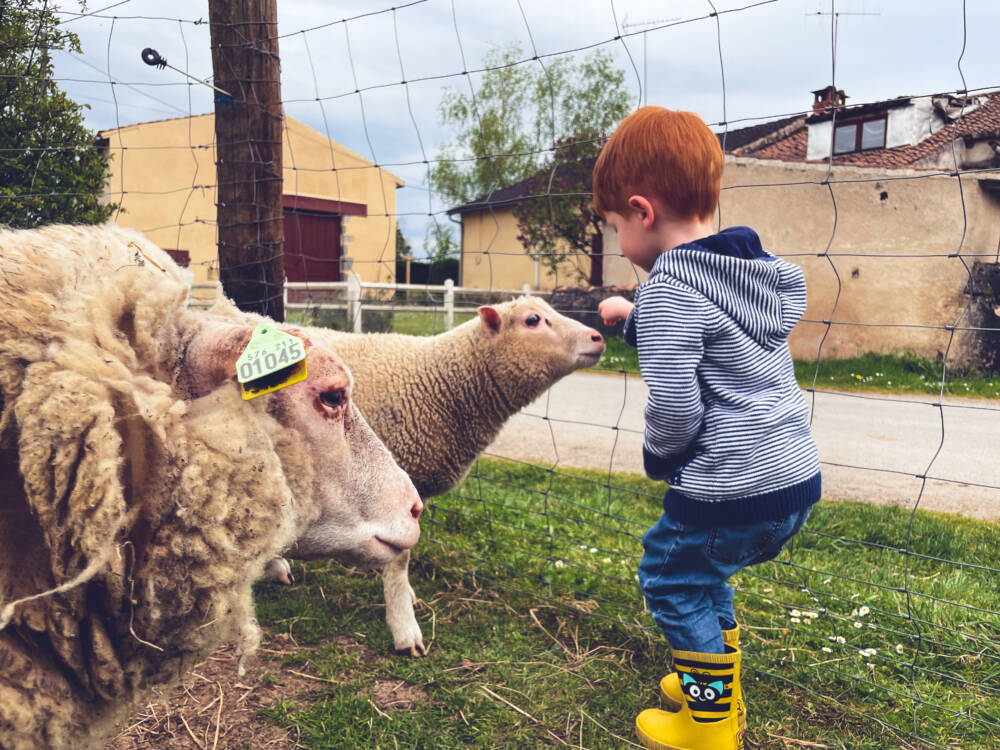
889	235
339	209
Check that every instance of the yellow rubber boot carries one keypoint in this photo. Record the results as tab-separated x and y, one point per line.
708	719
672	697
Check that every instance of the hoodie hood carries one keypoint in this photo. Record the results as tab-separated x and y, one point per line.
764	295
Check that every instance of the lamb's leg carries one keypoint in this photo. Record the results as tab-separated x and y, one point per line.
399	598
279	571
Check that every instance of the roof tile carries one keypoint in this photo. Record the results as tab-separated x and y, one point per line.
983	121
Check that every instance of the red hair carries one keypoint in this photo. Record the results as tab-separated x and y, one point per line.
664	154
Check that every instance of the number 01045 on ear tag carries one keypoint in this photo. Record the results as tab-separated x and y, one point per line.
273	359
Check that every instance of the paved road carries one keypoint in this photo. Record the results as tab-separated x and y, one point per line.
872	446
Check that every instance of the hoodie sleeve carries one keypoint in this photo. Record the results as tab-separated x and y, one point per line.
670	330
629	331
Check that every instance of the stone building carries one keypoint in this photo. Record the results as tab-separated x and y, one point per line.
339	208
891	208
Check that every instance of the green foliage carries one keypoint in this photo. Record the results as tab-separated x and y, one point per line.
557	222
561	223
491	130
402	246
518	110
50	170
440	242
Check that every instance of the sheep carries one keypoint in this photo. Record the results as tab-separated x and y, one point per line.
140	494
438	401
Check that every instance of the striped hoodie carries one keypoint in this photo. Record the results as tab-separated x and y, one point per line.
726	424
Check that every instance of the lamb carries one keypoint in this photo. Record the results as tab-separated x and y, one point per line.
140	495
438	401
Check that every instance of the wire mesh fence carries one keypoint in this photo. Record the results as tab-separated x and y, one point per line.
890	614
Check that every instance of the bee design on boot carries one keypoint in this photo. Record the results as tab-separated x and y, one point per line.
701	692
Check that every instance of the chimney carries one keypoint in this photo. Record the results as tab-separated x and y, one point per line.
827	99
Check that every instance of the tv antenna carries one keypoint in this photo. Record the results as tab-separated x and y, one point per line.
645	25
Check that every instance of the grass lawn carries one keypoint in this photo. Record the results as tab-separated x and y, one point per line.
539	637
425	323
888	373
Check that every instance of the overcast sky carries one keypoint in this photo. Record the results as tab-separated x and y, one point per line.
773	55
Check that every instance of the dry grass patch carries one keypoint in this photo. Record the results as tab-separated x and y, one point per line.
214	708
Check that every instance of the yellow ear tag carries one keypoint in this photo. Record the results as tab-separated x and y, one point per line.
273	359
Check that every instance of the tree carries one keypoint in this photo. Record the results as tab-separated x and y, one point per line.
557	222
50	169
492	135
402	246
439	242
518	111
542	127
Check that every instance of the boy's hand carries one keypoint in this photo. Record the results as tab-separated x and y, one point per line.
614	309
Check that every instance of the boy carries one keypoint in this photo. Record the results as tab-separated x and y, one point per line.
726	424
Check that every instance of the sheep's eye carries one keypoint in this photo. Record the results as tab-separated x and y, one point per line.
333	399
532	320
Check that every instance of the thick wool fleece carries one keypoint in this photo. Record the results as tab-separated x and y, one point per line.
438	401
128	501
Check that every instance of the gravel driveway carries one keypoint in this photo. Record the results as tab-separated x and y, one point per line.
873	446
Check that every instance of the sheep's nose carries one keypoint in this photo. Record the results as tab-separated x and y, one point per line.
596	337
416	509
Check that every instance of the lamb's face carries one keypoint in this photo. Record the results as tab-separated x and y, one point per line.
533	334
368	505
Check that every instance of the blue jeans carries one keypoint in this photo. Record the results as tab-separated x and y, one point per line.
684	570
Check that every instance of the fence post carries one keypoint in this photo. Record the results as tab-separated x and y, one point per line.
248	137
354	302
526	290
449	304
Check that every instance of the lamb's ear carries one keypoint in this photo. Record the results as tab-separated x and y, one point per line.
490	318
210	357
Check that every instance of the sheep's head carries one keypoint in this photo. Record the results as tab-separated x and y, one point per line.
352	500
532	337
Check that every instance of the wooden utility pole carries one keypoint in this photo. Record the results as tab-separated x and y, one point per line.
248	138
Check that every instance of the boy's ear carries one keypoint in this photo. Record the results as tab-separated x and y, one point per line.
642	206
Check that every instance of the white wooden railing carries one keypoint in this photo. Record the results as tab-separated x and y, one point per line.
350	296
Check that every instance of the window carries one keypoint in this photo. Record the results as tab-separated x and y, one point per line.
844	138
180	257
873	134
860	135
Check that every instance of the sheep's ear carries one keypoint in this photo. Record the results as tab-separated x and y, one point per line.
210	357
490	318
